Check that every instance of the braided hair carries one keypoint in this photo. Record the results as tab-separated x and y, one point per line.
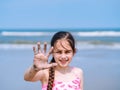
59	35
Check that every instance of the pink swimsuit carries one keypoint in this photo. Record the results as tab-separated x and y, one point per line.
71	85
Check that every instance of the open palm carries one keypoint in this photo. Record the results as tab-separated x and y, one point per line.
41	57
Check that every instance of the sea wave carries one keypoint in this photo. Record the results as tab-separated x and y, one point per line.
79	45
4	33
81	34
99	45
99	34
15	46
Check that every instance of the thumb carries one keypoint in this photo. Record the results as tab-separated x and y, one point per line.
52	65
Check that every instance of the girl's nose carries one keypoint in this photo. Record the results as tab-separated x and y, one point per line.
63	57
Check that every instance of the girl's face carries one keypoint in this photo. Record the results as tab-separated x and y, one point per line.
62	53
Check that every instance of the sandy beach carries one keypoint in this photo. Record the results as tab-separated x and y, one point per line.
101	69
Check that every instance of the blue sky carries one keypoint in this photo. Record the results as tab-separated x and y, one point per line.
59	13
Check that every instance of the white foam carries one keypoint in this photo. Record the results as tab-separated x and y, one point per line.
99	34
4	33
88	45
15	46
82	45
81	34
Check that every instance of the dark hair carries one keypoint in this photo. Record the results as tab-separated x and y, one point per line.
57	36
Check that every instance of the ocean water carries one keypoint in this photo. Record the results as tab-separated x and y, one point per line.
98	54
85	38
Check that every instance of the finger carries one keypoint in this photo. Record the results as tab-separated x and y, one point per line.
45	47
34	50
38	45
50	51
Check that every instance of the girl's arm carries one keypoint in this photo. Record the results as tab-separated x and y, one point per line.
81	84
79	73
33	75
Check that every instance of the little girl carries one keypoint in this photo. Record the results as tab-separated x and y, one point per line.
58	74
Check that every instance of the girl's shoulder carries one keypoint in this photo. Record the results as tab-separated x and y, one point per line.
77	71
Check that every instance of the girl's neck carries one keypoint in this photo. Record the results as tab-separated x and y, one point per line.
63	70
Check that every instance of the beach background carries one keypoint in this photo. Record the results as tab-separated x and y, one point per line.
98	54
95	25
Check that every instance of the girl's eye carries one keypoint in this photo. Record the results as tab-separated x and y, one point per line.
68	51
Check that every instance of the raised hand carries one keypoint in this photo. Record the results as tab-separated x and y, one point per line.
41	57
